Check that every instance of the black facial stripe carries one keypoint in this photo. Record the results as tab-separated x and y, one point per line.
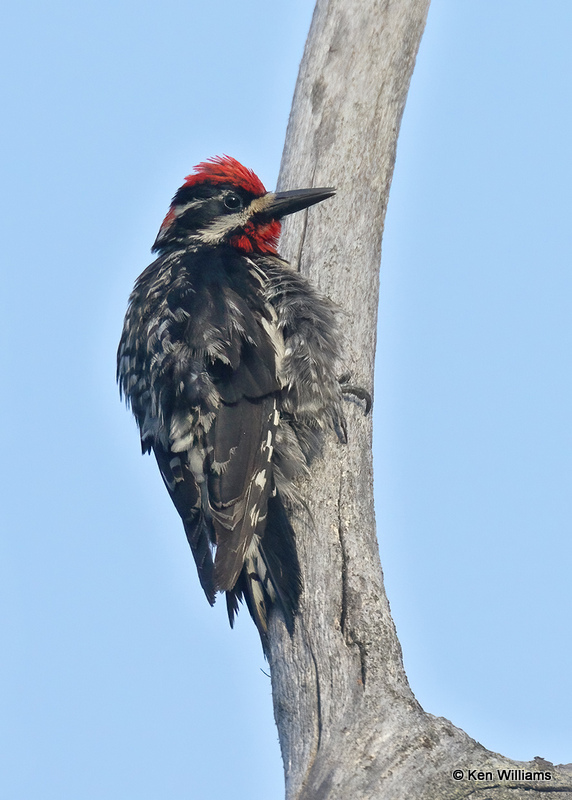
204	191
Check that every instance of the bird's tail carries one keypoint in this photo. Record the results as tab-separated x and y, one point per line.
271	573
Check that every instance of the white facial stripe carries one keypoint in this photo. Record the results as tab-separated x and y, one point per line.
223	226
260	204
227	224
180	210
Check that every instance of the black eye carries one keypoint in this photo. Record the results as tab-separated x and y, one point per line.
233	201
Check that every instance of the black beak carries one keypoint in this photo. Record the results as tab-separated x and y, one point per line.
288	202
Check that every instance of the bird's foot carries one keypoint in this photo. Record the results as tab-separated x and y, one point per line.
356	391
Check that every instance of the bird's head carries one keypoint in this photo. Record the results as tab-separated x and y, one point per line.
223	202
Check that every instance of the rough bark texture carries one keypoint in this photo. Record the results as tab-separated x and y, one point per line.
348	722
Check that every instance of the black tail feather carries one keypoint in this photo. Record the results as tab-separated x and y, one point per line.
278	551
243	590
198	534
277	573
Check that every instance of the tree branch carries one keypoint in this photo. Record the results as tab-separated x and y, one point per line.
349	724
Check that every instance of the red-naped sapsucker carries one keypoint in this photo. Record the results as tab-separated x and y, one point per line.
228	359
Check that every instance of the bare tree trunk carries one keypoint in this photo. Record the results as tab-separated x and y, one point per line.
348	722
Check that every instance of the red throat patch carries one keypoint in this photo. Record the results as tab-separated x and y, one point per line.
261	238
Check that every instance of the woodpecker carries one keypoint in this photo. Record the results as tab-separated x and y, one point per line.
228	360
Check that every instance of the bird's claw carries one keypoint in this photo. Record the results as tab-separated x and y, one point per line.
356	391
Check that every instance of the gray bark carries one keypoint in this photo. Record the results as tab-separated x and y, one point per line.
349	724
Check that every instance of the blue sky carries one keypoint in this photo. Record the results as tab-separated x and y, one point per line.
118	680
